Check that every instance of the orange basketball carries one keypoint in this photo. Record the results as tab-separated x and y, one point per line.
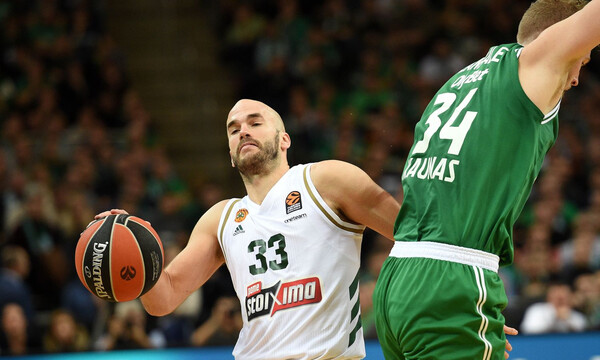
119	257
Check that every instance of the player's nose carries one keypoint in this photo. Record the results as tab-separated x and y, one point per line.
244	131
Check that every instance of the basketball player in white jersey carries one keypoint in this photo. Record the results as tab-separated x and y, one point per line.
292	246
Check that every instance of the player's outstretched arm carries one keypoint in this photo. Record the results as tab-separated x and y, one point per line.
355	196
545	62
190	269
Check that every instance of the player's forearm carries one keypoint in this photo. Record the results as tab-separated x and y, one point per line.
378	209
578	34
590	16
384	211
176	283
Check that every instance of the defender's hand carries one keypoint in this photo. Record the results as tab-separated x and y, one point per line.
509	331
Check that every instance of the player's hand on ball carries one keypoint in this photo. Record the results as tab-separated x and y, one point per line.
106	213
119	257
110	212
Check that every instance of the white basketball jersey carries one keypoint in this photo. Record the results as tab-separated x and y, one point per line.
294	265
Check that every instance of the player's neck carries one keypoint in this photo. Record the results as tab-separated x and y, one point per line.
258	186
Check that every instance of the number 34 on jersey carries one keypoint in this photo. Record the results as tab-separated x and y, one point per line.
441	168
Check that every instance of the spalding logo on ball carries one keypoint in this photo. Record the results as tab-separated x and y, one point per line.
119	257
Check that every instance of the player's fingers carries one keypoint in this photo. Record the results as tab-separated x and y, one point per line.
506	355
110	212
88	225
508	346
102	215
510	331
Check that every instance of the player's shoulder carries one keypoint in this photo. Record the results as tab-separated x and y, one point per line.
332	168
209	221
213	214
220	206
333	174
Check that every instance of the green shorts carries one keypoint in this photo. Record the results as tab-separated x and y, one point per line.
427	308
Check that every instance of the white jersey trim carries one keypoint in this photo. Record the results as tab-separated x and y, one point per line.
480	280
446	252
325	209
552	114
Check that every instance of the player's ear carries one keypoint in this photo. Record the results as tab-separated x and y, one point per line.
286	141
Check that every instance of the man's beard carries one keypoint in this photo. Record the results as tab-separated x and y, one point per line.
258	163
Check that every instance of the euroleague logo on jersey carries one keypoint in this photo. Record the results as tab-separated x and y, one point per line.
267	301
293	202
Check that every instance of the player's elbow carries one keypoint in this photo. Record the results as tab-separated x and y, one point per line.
157	311
157	308
157	302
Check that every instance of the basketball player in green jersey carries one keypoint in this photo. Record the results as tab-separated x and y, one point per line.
478	149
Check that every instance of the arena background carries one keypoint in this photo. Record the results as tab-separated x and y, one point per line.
122	104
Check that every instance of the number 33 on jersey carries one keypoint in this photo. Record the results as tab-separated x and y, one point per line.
293	263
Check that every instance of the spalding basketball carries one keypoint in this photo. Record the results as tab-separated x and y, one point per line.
119	257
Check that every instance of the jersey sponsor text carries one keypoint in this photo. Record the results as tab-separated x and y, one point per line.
263	301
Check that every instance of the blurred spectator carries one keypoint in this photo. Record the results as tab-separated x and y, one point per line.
293	26
312	135
16	335
112	89
81	304
13	288
163	179
439	65
269	47
222	327
241	36
556	315
581	254
348	143
526	280
127	329
64	334
587	297
38	235
204	194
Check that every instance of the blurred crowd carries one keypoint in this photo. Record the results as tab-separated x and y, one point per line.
350	79
75	140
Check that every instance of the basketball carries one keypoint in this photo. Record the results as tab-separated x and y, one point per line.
119	257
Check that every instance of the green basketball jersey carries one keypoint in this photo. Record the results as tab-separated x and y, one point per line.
478	149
